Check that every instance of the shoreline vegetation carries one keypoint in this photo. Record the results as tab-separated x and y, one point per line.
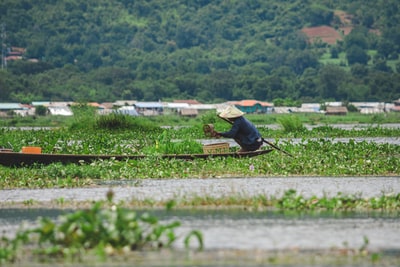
290	201
178	120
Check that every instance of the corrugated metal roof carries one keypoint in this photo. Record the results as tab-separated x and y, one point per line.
41	103
149	105
204	106
177	105
10	106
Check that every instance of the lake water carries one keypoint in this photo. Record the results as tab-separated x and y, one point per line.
242	238
243	230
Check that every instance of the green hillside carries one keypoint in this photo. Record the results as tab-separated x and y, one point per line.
104	50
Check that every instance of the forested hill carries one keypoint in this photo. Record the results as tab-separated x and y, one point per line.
210	50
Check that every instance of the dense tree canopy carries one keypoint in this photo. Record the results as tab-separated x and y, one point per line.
104	50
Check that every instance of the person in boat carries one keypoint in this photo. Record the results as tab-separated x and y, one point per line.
242	131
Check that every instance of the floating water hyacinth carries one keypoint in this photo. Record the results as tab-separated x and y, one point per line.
251	167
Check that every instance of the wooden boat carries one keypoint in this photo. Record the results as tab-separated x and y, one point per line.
8	158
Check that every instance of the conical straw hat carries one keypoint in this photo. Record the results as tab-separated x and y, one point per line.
231	112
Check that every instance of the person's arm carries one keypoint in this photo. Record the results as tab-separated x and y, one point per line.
233	131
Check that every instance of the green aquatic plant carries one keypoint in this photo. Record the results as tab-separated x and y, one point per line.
139	138
320	157
83	118
10	247
115	121
291	124
291	200
165	145
106	229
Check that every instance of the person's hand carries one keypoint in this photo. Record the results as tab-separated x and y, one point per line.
208	130
216	134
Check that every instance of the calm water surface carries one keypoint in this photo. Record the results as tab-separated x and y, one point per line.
165	189
266	230
236	234
243	230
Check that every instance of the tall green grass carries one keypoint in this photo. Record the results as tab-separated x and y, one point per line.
116	121
292	124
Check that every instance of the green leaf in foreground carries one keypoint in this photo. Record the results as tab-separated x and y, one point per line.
104	229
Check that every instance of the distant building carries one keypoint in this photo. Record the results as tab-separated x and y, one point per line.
6	108
188	101
335	110
253	106
60	110
175	107
127	110
369	107
396	106
124	103
189	112
10	106
15	53
149	108
41	103
107	105
310	107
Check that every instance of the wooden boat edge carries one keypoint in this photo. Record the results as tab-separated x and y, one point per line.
27	159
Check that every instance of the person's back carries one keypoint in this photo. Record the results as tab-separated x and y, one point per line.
243	131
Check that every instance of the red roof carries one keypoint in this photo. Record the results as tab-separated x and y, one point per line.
324	33
13	58
94	104
250	103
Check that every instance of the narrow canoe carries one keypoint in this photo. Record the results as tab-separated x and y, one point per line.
27	159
